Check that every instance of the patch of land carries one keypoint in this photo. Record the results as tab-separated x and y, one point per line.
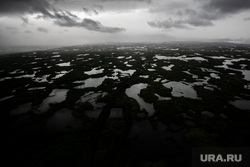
123	105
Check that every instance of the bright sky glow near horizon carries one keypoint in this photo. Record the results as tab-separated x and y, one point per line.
76	22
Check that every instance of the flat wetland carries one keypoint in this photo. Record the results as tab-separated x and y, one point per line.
123	104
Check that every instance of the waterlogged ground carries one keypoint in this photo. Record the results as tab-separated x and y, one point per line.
160	100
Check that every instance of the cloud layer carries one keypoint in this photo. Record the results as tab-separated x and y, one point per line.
208	12
88	24
227	6
94	21
47	11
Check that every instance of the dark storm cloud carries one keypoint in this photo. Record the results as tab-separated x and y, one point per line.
47	10
48	7
90	11
22	7
11	7
42	29
195	18
219	9
208	12
227	6
89	24
191	18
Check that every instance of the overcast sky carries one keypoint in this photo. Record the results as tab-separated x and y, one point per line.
76	22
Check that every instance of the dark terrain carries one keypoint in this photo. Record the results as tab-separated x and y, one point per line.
123	104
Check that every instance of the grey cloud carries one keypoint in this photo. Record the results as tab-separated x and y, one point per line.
47	10
89	11
208	12
180	24
67	19
198	14
195	18
98	7
104	5
247	19
42	29
198	22
227	6
213	10
85	9
187	18
11	7
95	11
64	15
167	24
89	24
48	7
25	20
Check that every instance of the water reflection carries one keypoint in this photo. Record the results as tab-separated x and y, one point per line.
180	89
56	96
216	76
61	73
94	71
64	64
162	98
91	82
133	92
182	58
168	68
124	72
246	74
91	97
193	75
55	56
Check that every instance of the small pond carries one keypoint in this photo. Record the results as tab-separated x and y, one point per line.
133	92
180	89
